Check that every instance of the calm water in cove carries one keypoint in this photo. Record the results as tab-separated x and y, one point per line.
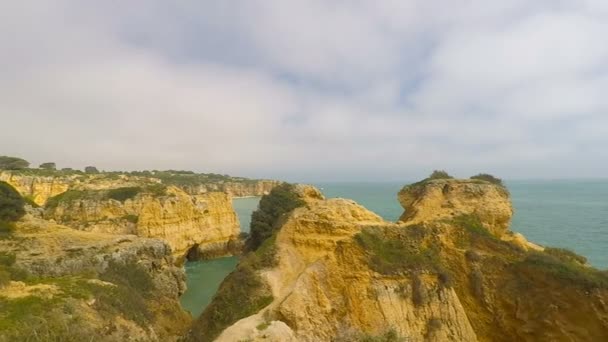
204	277
571	214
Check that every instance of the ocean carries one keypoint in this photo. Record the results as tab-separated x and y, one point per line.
571	214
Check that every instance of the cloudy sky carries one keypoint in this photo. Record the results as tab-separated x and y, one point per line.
309	90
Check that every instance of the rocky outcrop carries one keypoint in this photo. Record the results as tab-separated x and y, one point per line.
38	189
248	188
439	199
323	291
199	226
450	272
72	285
42	185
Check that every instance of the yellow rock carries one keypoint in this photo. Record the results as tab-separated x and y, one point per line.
449	198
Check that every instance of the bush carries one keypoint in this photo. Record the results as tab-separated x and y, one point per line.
123	194
131	218
419	294
11	203
566	255
91	169
68	196
13	163
48	166
6	229
488	178
390	336
439	174
476	281
129	274
281	200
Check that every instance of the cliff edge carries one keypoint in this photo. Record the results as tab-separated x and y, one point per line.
450	270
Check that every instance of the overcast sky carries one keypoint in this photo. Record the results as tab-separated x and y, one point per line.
309	90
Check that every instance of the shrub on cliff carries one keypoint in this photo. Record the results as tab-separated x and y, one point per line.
439	174
13	163
11	203
91	169
281	200
48	166
123	194
488	178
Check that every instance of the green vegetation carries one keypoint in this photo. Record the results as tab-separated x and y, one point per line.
476	283
13	163
91	170
388	255
262	326
488	178
52	318
566	255
241	294
11	209
564	267
439	174
131	218
419	293
6	229
68	196
473	225
11	203
48	166
281	200
119	194
123	194
390	336
265	255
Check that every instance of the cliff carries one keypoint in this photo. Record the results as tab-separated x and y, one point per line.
40	185
235	189
434	200
198	226
448	271
60	284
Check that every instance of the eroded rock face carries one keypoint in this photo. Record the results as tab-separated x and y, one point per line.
205	223
440	199
324	291
236	189
89	273
39	189
343	273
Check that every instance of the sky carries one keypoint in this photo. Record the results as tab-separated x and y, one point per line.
308	90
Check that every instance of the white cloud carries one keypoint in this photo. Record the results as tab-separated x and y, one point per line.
307	90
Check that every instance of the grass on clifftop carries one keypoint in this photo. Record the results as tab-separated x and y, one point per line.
119	194
388	254
565	267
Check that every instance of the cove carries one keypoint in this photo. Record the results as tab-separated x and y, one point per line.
204	277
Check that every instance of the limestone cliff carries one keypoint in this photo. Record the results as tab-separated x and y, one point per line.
198	226
450	271
40	185
65	284
439	199
235	189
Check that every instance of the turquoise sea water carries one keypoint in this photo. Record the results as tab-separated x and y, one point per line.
204	277
570	214
567	213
